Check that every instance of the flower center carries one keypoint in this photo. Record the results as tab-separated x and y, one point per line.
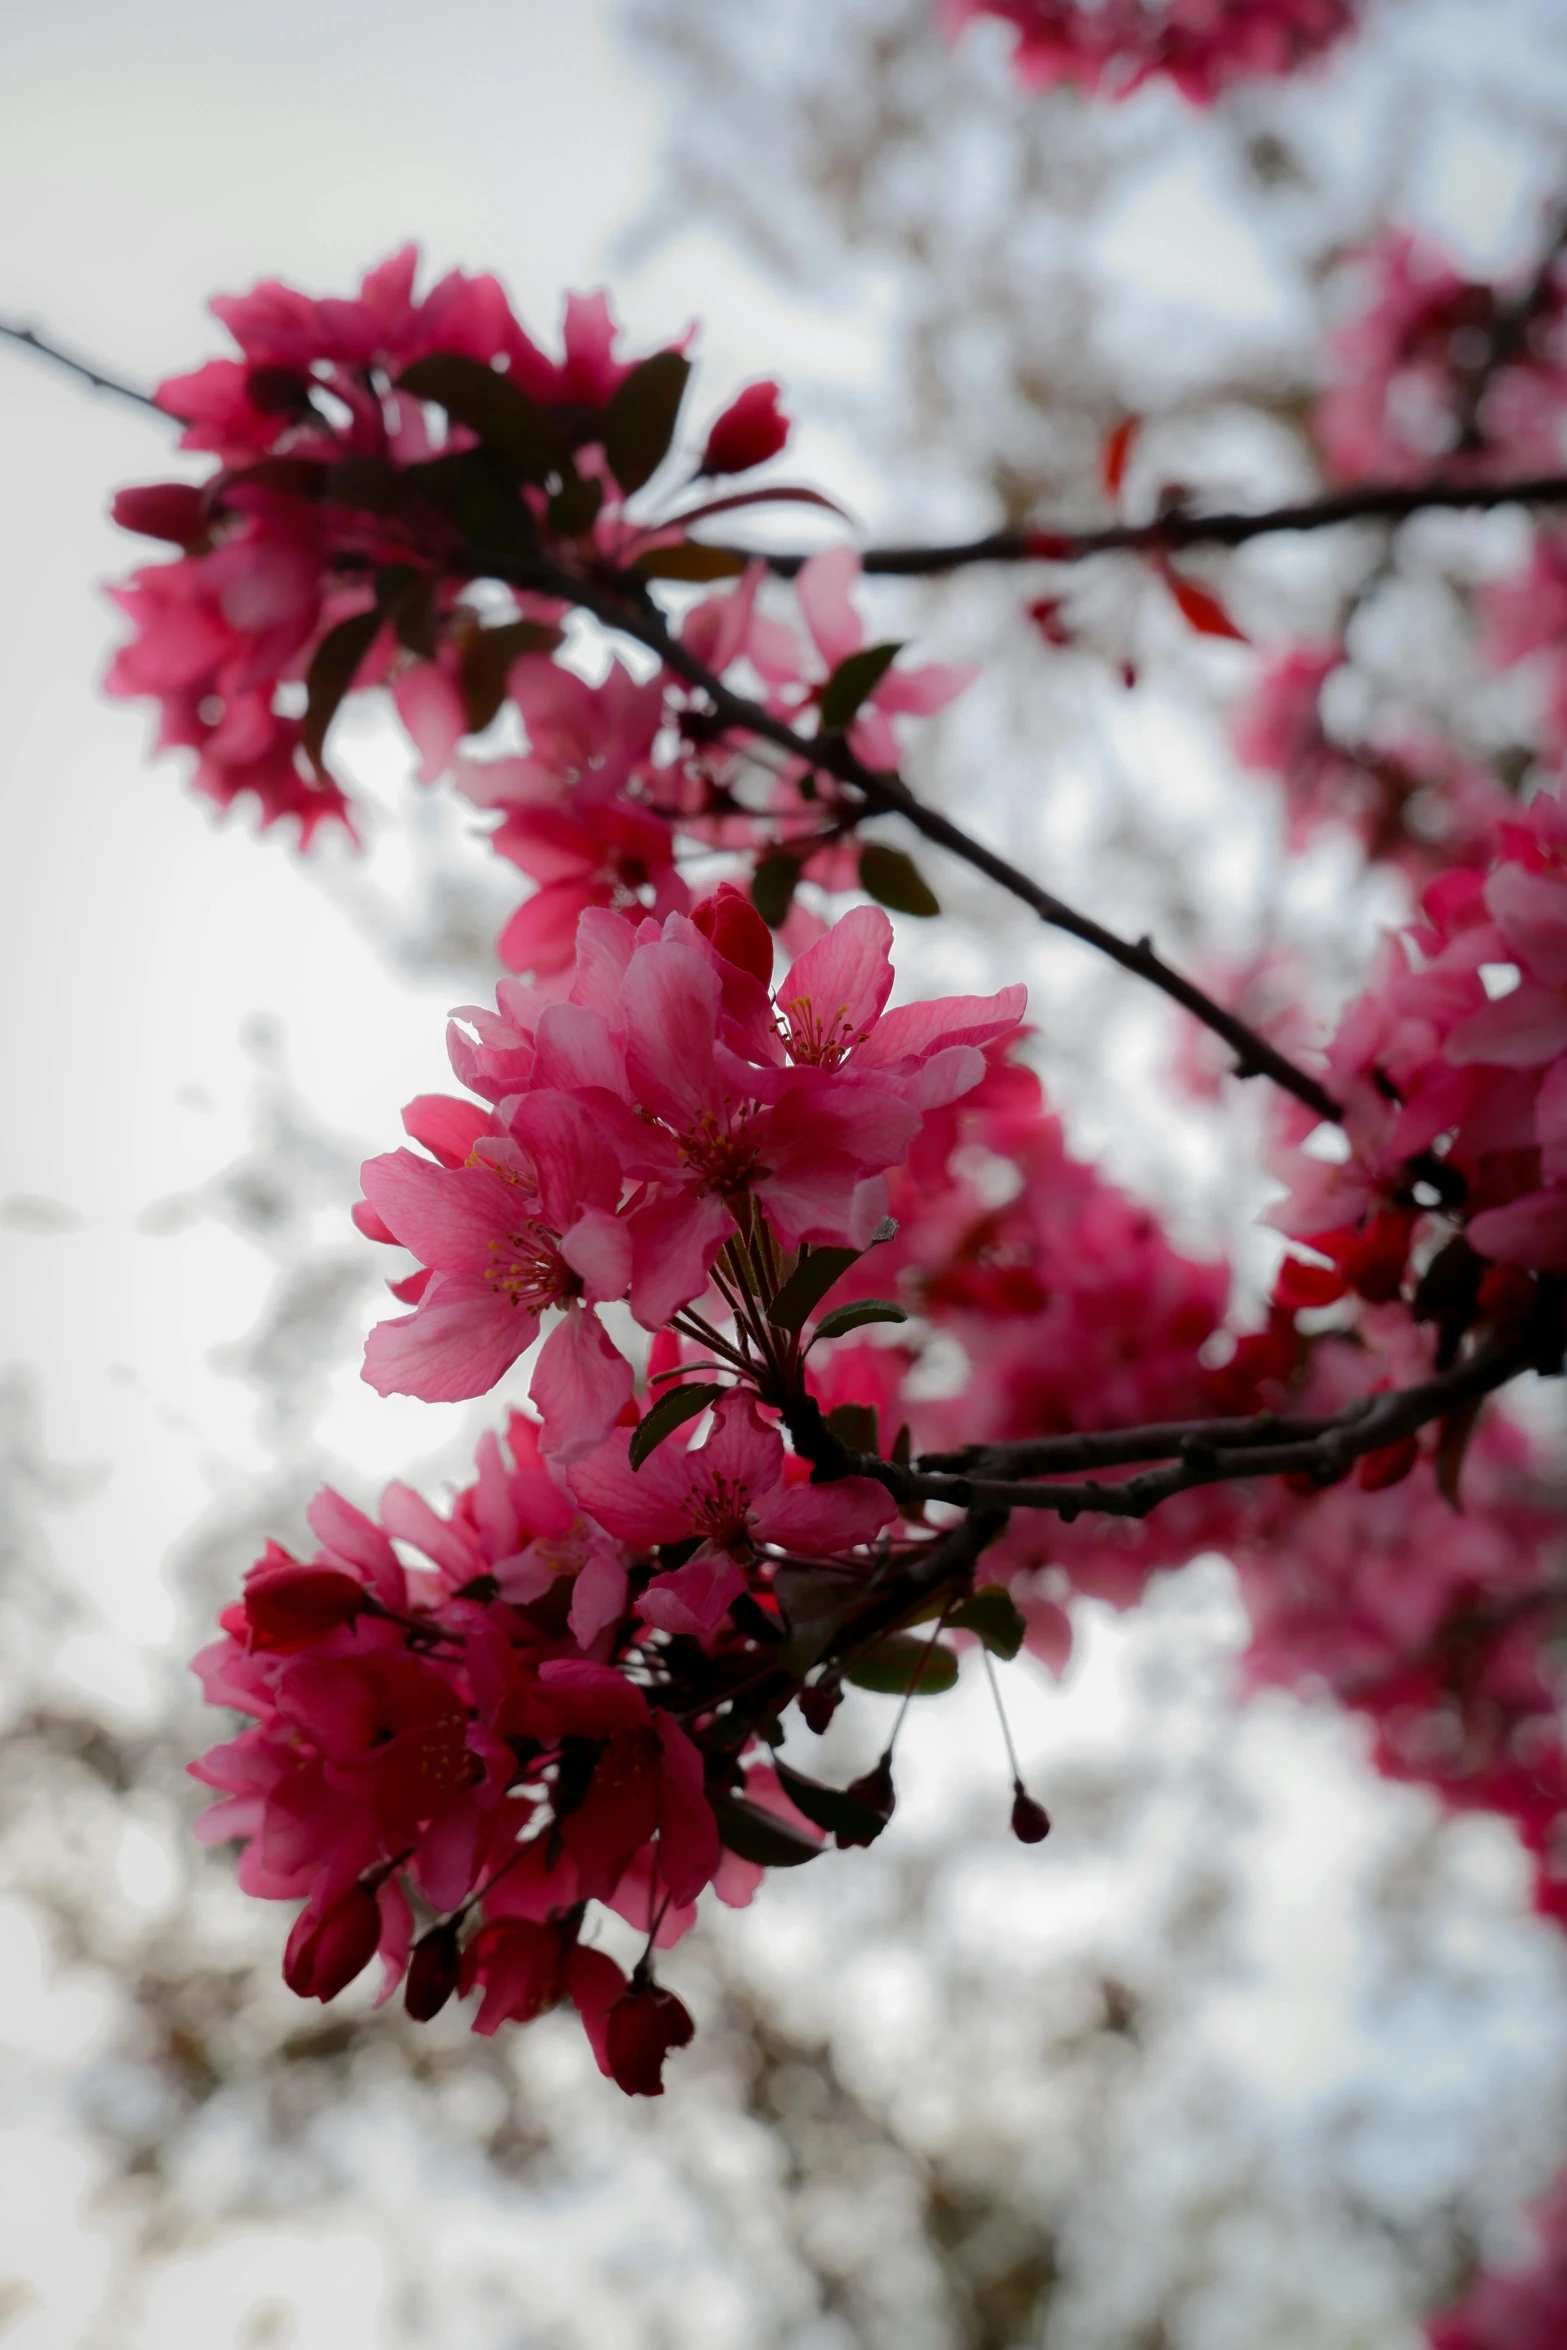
528	1268
819	1040
723	1158
720	1513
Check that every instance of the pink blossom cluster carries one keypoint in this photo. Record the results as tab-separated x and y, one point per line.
1439	372
1516	2309
452	1755
1112	47
1435	1622
1413	802
1452	1072
669	1110
538	1714
392	473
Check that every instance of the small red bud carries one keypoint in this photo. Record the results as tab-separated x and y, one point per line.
876	1791
819	1703
174	510
750	430
432	1972
1030	1820
737	932
644	2024
289	1607
328	1948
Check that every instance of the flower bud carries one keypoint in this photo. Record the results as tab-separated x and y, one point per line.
289	1607
737	931
174	510
875	1790
819	1703
644	2024
329	1947
1030	1820
432	1972
750	430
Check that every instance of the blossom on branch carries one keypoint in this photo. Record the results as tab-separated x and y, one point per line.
1112	47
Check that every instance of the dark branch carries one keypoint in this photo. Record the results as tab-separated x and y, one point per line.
92	376
1179	527
1321	1450
628	608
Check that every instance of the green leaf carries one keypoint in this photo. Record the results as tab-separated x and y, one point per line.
815	1609
691	561
333	667
901	1666
520	432
640	421
407	598
843	1319
993	1614
829	1807
808	1284
895	881
487	665
760	1836
674	1406
574	508
472	490
857	675
773	886
854	1425
373	485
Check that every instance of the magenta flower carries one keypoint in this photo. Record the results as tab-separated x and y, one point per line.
528	1223
731	1494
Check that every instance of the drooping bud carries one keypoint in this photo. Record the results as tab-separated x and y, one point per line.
644	2024
289	1606
750	430
818	1703
432	1972
737	931
875	1790
1030	1820
329	1947
174	510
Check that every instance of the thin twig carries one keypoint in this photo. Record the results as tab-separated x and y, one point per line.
30	340
1323	1454
627	608
1178	527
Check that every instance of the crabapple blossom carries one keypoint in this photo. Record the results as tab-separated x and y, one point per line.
665	1109
1112	47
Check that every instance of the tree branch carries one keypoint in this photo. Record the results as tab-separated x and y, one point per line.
628	608
94	377
1321	1450
1179	527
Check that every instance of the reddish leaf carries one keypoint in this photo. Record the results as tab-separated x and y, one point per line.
1116	453
1200	608
1046	616
780	494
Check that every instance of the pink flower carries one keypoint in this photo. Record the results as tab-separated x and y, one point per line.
731	1494
606	854
831	1009
1116	45
528	1223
